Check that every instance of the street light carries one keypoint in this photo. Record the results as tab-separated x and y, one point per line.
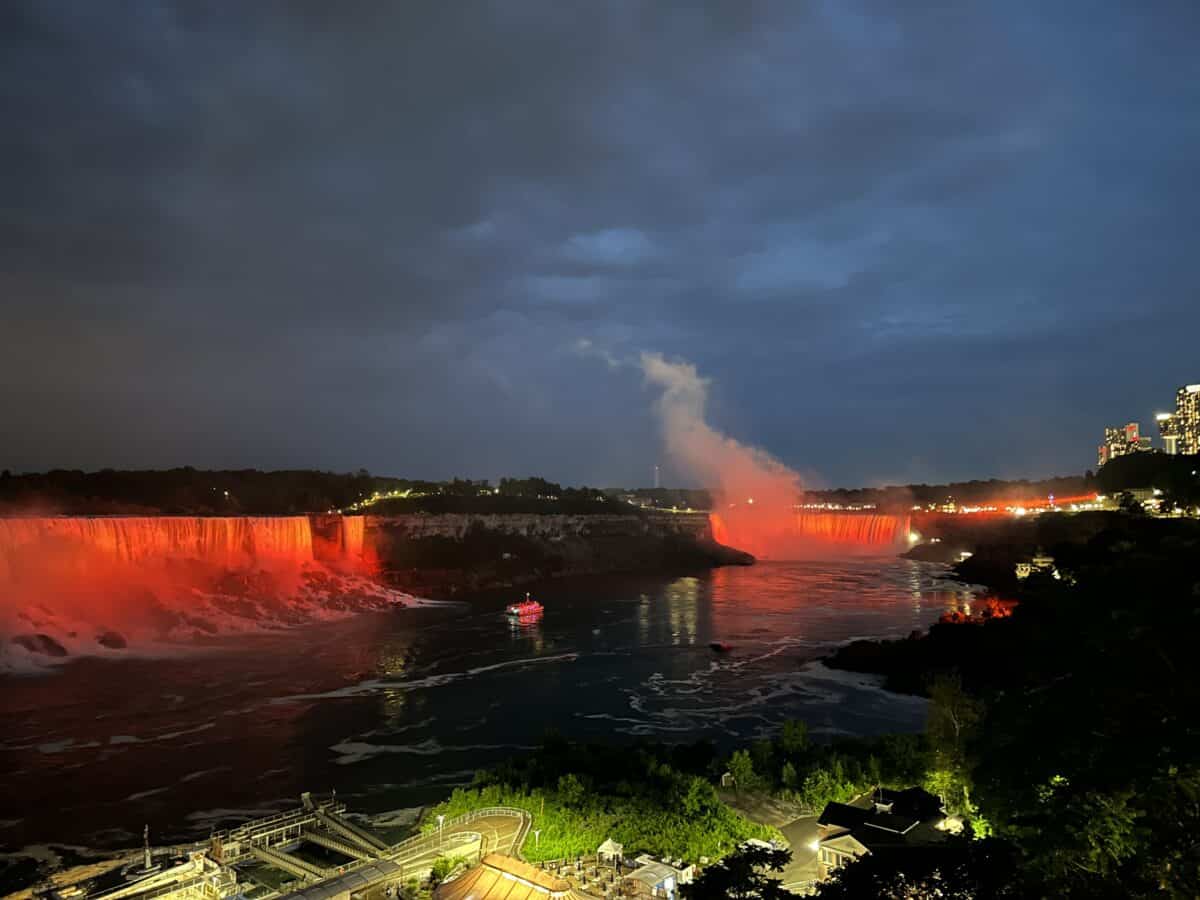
441	821
537	835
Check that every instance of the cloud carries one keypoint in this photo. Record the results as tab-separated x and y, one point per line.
610	247
340	235
584	347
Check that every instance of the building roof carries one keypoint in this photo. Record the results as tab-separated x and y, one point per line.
894	819
363	877
842	815
891	822
846	843
500	877
653	874
611	846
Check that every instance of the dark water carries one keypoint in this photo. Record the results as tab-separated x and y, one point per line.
392	709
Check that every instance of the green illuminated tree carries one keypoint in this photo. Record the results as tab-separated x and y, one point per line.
788	776
741	767
442	867
699	797
953	718
571	791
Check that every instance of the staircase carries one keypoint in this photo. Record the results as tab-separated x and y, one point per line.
288	863
351	832
346	848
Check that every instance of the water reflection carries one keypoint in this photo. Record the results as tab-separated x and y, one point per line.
682	596
914	584
643	620
393	709
527	633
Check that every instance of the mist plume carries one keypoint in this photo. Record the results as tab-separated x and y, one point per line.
754	494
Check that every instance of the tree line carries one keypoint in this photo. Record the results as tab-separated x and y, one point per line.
189	491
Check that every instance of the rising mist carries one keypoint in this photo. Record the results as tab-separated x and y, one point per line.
754	494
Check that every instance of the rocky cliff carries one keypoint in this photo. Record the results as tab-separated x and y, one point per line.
441	555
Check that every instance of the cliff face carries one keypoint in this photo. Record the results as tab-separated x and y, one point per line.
440	555
452	525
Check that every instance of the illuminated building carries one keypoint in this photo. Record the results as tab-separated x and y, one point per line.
897	823
1120	441
1168	431
1186	420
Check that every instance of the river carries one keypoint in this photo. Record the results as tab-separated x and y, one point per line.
393	709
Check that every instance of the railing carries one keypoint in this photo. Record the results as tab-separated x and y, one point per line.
465	819
591	860
216	884
425	841
279	819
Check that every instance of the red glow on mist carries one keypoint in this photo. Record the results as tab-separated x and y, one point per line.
719	532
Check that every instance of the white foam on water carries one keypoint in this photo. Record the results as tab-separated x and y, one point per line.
351	752
381	685
142	795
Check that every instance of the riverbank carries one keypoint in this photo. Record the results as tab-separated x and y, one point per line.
1079	707
982	648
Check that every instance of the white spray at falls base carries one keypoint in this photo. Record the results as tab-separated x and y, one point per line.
105	585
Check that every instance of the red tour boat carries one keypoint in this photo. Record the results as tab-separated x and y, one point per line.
525	610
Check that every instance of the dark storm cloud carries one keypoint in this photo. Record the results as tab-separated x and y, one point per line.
905	241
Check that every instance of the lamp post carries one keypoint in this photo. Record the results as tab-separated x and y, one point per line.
441	822
537	838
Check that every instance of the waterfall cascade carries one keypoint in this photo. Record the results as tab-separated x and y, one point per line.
227	541
353	533
71	584
796	535
871	529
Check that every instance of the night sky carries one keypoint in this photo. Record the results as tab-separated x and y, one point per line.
904	241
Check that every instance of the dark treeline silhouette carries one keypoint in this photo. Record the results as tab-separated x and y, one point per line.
251	491
188	491
1178	477
993	490
1084	752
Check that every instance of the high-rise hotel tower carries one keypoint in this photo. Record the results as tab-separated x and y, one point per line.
1180	430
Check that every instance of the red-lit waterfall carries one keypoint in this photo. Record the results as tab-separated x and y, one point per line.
70	583
855	529
226	541
807	533
353	536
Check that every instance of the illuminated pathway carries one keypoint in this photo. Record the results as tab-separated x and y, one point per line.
474	834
